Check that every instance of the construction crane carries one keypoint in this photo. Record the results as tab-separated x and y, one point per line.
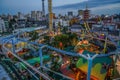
50	17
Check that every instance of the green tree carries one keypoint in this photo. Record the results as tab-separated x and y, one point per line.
63	38
73	39
64	30
34	35
69	39
47	39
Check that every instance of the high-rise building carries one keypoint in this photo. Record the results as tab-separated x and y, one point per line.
86	13
27	16
70	13
20	15
39	15
9	17
33	15
2	26
80	12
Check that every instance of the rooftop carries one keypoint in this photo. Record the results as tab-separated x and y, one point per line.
29	29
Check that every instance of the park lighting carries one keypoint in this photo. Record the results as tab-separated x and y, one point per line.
9	45
68	62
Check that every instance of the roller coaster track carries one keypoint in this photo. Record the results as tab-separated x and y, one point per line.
67	53
55	49
109	42
38	71
41	74
73	54
34	69
56	73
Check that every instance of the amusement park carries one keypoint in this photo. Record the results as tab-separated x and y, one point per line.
60	53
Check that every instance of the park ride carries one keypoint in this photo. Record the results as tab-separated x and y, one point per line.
88	57
95	46
102	67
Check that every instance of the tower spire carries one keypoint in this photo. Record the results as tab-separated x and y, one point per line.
86	6
43	7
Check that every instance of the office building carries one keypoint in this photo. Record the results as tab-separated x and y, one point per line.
33	15
2	26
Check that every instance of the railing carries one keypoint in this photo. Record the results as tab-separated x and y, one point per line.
88	57
15	72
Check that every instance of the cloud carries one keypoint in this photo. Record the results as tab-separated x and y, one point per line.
64	2
106	9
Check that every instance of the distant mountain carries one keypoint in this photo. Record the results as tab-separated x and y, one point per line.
96	7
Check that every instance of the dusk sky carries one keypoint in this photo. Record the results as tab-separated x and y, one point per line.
26	6
11	6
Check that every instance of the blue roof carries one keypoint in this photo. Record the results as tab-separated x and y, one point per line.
30	29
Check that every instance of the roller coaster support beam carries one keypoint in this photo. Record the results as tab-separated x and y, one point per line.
90	60
40	54
34	69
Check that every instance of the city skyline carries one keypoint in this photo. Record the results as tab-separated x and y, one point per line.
26	6
60	6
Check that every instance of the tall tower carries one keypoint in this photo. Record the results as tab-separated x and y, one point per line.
43	7
50	15
86	13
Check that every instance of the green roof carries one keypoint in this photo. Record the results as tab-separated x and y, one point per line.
37	59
